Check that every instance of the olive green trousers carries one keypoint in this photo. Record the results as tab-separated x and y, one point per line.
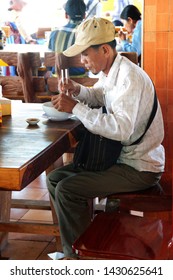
70	190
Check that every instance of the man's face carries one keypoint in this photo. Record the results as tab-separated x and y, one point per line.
94	59
16	5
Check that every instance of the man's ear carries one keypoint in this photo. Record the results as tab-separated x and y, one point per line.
106	49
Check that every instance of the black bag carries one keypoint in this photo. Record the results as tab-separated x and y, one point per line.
95	153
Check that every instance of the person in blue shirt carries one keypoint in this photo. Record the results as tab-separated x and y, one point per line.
131	18
62	38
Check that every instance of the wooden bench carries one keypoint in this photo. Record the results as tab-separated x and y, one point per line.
120	236
146	210
29	86
20	87
139	228
152	207
11	86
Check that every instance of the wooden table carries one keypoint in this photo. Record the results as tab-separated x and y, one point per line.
26	151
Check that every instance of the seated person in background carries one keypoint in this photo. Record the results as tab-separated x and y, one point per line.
128	93
131	18
20	16
14	38
64	37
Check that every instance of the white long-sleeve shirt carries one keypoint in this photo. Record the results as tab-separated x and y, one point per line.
128	94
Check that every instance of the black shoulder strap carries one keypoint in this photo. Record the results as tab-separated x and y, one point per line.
153	112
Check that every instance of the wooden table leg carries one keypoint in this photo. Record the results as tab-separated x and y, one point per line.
5	203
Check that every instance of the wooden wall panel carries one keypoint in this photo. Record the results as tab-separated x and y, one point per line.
158	62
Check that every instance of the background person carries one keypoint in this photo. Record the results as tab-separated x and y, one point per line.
20	14
18	33
14	38
127	92
62	38
131	18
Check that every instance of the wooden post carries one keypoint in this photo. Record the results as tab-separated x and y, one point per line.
25	71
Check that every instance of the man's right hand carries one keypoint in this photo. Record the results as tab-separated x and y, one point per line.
69	86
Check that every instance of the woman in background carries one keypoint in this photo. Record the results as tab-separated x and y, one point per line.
131	18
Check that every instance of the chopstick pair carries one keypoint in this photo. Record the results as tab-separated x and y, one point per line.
66	76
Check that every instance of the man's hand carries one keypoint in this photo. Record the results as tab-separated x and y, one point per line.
69	86
121	35
63	102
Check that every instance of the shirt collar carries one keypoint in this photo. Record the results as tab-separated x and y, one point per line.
113	72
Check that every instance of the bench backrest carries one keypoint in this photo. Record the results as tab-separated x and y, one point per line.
29	86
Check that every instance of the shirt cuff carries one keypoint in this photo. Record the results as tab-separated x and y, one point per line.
79	111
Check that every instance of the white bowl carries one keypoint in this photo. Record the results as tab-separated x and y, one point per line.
32	121
54	114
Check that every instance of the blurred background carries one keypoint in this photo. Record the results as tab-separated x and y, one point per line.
51	13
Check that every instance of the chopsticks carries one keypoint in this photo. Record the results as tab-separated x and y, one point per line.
65	76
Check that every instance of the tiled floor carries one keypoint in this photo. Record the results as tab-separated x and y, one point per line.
31	246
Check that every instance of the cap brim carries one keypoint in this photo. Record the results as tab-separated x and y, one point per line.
75	50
